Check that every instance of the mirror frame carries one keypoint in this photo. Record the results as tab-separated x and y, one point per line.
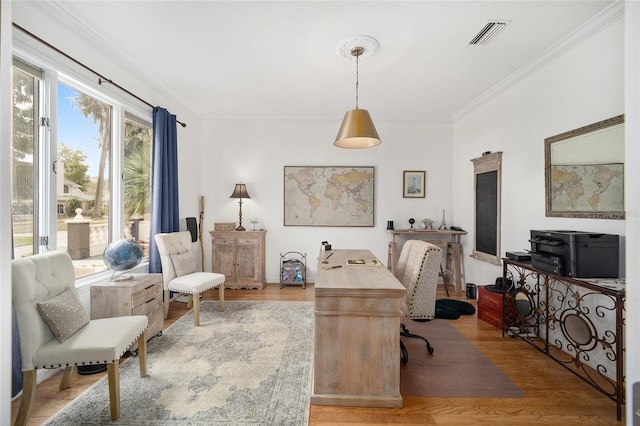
564	137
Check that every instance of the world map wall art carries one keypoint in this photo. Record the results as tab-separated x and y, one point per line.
328	196
587	188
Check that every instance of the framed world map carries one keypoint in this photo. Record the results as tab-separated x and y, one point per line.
328	196
584	171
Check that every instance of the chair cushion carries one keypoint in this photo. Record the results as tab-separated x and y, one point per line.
64	314
101	341
183	263
196	282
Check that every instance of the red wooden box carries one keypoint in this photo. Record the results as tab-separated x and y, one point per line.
490	307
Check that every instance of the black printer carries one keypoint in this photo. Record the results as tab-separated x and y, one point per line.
575	254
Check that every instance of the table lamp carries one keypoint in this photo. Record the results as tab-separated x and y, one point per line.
240	192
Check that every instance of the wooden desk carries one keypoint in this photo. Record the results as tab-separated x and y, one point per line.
447	239
357	333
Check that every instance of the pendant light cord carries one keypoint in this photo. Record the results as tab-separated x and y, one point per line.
357	53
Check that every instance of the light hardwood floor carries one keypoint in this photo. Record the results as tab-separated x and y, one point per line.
553	395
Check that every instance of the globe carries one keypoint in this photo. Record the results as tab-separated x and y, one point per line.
122	255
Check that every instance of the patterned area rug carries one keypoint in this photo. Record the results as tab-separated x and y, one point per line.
248	365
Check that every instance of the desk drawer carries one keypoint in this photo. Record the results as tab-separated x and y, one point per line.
140	297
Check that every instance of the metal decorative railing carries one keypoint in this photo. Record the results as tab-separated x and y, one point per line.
579	323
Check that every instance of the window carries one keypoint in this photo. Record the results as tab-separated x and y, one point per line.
84	161
137	181
24	147
63	194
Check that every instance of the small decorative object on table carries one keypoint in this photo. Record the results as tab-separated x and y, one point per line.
254	222
411	222
293	269
427	223
224	226
443	225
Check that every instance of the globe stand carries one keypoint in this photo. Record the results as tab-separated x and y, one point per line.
120	278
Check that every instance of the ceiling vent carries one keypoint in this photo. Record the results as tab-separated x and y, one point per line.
488	32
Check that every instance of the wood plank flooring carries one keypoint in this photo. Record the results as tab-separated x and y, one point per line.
553	395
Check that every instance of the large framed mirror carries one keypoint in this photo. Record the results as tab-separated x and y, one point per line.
488	184
584	171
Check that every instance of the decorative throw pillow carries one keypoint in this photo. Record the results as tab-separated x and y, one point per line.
183	263
64	314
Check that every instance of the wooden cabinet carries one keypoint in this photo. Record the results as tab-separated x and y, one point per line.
140	296
239	255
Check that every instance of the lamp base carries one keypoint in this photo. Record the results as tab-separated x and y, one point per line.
240	228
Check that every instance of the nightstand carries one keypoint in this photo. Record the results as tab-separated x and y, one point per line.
140	296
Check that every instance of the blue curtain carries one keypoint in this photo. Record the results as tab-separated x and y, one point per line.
164	181
16	368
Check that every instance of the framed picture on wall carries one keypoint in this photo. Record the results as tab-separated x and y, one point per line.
414	184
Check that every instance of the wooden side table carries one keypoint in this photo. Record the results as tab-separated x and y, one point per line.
140	296
239	255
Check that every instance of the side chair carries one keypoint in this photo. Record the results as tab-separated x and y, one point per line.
179	272
55	330
418	270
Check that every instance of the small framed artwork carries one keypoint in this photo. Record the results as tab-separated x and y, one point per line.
414	184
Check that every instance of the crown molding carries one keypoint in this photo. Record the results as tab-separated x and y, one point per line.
593	26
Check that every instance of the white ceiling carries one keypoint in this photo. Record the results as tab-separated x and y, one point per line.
278	59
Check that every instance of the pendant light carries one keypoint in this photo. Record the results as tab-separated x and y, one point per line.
357	129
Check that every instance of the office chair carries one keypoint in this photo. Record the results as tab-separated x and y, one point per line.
418	269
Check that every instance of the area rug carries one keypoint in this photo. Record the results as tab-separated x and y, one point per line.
455	369
248	365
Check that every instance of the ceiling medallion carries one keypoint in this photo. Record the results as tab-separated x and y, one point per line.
368	44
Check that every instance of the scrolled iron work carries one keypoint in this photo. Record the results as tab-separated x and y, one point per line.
577	323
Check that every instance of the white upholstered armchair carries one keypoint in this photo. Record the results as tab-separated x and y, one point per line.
55	330
418	268
179	271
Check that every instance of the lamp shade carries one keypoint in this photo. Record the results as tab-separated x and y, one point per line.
357	130
240	191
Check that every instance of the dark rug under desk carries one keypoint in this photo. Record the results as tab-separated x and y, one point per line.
456	368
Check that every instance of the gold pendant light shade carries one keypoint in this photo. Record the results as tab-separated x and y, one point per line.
357	130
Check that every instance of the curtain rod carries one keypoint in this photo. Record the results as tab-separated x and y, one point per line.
101	78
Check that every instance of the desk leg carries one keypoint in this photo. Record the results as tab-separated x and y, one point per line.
392	257
454	256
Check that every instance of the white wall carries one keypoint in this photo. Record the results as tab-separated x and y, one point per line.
256	151
581	87
632	125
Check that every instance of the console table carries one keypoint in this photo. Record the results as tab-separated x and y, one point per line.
447	239
357	333
579	323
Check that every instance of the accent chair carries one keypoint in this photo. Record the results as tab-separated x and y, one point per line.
55	330
179	272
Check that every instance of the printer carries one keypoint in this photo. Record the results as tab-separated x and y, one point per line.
575	254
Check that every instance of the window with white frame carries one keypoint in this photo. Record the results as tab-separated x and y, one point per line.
64	196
